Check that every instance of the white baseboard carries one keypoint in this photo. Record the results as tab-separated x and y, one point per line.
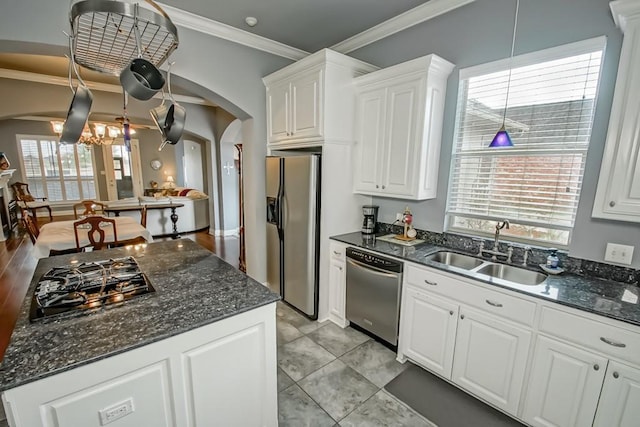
225	233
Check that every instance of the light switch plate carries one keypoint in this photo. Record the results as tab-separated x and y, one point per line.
620	254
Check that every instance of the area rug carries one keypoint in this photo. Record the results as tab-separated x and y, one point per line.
443	404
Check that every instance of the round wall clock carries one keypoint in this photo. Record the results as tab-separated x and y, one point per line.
156	164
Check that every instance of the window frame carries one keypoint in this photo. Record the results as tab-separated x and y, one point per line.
523	60
62	180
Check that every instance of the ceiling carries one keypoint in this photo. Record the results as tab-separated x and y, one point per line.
309	25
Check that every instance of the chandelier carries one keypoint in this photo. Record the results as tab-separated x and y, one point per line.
103	134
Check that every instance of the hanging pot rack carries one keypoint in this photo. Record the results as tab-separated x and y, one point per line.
104	38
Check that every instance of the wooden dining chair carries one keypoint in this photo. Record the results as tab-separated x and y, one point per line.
95	227
30	224
143	216
26	200
89	207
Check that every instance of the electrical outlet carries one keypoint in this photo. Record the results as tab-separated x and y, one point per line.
115	412
398	216
620	254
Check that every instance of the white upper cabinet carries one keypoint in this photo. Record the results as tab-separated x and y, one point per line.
311	101
618	192
399	112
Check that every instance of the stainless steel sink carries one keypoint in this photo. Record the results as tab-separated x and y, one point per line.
455	260
516	275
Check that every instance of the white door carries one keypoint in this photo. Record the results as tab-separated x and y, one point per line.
619	404
306	106
369	141
123	170
428	331
337	291
278	111
192	166
490	358
564	385
399	175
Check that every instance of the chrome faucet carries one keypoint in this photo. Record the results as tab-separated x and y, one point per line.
495	251
499	226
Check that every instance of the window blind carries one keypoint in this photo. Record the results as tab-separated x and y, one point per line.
549	114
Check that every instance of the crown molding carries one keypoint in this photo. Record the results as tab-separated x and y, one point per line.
415	16
623	11
217	29
101	87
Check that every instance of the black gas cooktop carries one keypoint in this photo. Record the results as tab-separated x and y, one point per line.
87	286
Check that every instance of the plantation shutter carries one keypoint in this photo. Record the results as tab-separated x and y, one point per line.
549	116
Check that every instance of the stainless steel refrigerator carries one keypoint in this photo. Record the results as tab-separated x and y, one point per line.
293	226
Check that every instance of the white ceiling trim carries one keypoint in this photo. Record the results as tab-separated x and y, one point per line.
103	87
227	32
408	19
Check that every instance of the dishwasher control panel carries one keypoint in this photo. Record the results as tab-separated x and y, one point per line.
374	260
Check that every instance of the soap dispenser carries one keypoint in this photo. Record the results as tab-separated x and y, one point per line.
552	259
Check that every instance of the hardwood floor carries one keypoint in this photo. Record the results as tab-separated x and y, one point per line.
17	267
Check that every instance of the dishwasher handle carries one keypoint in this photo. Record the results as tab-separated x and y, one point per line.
370	269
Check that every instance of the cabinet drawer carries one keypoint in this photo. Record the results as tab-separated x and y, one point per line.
603	337
337	250
503	305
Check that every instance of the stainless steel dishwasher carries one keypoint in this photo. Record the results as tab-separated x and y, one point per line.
373	293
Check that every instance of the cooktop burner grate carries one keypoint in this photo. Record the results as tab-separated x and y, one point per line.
89	285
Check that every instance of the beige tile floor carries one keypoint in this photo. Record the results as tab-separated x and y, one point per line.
329	376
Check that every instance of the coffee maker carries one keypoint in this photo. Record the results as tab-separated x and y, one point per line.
370	213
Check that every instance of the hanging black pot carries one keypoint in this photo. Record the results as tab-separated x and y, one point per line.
141	79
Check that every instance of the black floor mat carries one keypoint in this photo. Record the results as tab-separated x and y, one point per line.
443	404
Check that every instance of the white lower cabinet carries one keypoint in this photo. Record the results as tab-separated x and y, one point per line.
564	385
491	358
619	404
583	371
221	374
429	330
337	291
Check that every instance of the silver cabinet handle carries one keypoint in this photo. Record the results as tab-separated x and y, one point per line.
495	304
383	187
612	203
451	312
616	375
339	268
336	252
430	283
613	343
596	367
462	316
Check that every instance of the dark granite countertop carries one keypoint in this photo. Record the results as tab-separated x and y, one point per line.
604	297
193	288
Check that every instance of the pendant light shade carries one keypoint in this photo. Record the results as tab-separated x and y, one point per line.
502	139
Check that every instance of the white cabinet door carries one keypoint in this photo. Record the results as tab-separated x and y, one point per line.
369	145
398	173
490	359
564	385
337	290
428	330
306	105
618	192
278	112
619	404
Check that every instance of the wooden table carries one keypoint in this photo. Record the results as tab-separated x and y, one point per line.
128	208
60	236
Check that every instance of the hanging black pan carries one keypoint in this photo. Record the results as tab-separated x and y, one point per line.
80	106
170	118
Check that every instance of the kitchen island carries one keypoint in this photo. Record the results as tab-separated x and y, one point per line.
201	350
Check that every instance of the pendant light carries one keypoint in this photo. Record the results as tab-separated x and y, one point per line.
502	138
